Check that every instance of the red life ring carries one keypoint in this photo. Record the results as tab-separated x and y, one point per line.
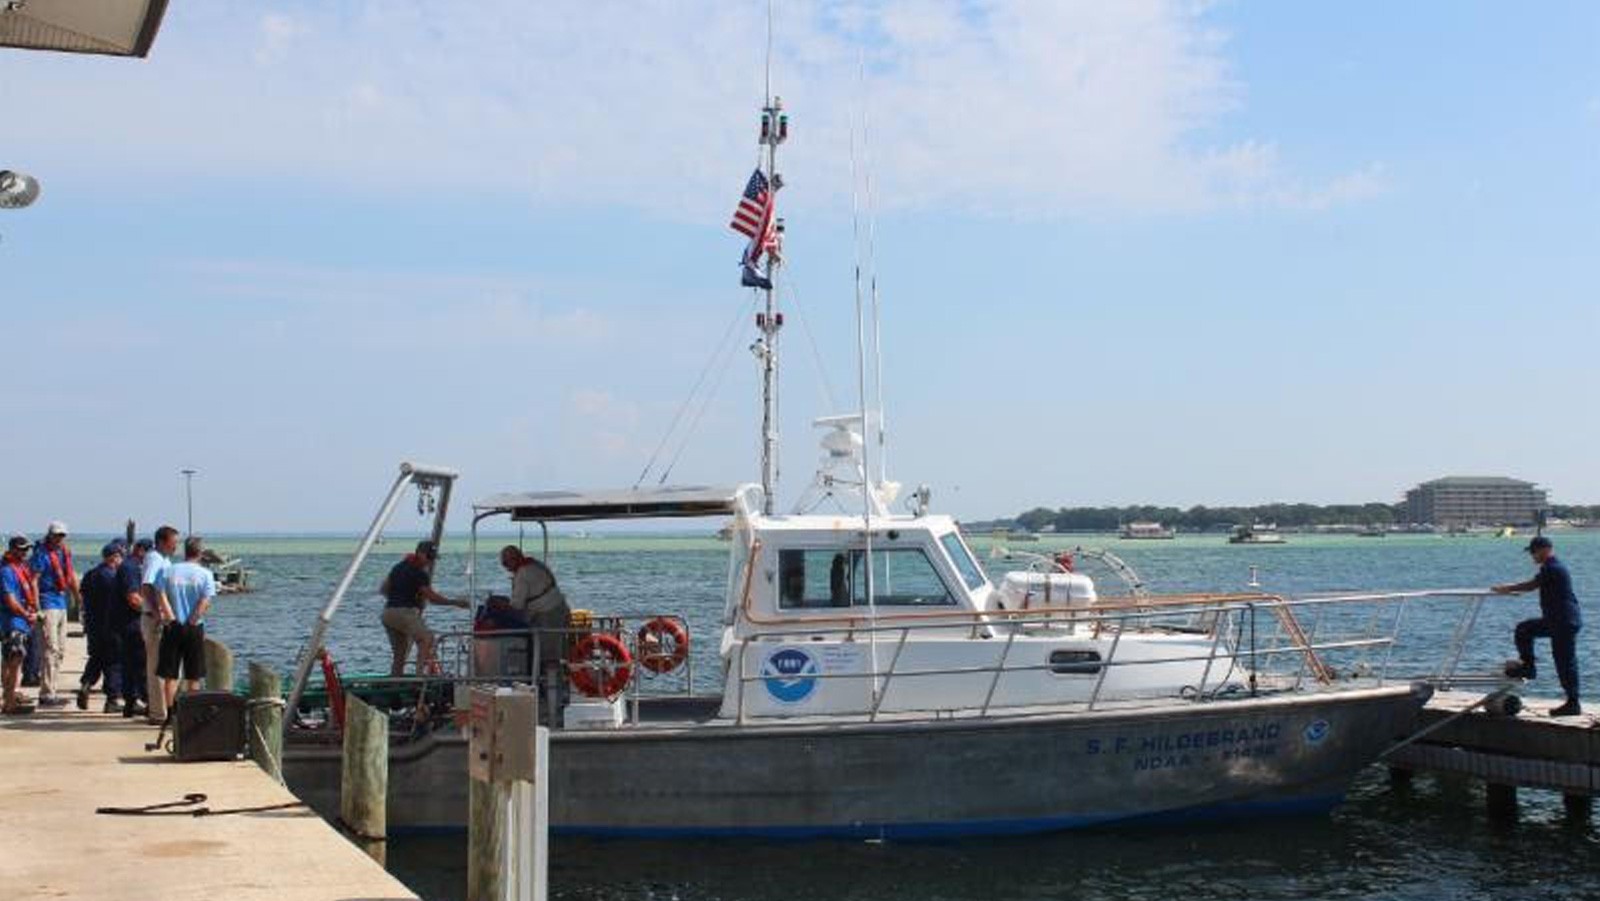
663	645
600	665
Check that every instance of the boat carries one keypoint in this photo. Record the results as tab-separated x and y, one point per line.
1146	531
1373	532
1259	533
868	678
230	572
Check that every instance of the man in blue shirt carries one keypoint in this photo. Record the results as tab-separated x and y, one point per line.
125	630
184	602
17	613
100	597
152	580
52	566
1559	621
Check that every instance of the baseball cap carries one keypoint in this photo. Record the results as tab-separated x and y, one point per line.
1538	541
56	527
113	547
143	544
18	543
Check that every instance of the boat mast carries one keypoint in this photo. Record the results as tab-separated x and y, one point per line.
774	131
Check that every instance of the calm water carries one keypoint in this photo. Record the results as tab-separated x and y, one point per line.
1428	842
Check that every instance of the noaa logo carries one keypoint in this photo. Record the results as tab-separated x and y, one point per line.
790	675
1316	732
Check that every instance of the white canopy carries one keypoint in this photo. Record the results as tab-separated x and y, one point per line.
628	503
114	27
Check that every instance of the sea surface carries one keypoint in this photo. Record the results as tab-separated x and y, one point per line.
1427	842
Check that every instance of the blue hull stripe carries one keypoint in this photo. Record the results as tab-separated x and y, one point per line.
959	829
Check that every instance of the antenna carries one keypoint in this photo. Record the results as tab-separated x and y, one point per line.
769	238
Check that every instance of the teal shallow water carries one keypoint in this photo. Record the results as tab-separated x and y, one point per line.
1430	842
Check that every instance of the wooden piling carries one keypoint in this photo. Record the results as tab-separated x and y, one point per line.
266	719
1502	800
1400	777
364	778
219	666
486	840
1579	808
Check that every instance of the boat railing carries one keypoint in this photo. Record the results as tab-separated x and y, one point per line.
1254	643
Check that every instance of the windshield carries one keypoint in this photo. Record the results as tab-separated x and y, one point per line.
971	572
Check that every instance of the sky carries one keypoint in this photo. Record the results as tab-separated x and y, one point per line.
1134	252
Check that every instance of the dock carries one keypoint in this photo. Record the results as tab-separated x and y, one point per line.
1530	750
61	765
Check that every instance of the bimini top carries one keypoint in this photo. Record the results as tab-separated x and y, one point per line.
114	27
628	503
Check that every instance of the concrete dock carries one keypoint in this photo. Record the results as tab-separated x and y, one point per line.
60	765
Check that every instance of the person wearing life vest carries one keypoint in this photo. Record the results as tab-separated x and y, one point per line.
407	591
534	594
19	607
58	581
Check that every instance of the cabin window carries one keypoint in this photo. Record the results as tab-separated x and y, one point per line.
1074	663
971	573
901	577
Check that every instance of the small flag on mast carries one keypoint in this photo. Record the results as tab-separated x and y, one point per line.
753	218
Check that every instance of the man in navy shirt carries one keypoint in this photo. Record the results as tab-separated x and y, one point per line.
100	596
1559	621
126	630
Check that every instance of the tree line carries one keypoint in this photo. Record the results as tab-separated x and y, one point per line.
1201	518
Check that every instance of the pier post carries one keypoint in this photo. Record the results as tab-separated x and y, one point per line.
1579	808
486	837
1502	801
364	778
219	666
266	719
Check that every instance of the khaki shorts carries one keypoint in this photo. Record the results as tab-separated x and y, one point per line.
405	628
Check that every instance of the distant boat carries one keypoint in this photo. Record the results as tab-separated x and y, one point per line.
1008	535
1260	533
1373	532
1147	531
230	573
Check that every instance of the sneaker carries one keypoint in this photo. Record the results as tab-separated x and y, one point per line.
52	702
83	697
112	705
129	711
1570	708
1521	669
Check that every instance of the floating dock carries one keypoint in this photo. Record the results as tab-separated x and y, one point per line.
1529	750
61	765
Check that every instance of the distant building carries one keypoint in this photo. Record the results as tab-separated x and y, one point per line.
1455	501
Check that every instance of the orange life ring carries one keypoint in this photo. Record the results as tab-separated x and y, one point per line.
663	645
600	665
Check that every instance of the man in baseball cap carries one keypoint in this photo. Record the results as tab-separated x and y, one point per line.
58	586
19	606
1559	620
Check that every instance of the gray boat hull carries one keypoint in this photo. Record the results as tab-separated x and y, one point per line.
949	777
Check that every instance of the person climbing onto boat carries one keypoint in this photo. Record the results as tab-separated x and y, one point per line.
534	594
407	591
18	609
1559	621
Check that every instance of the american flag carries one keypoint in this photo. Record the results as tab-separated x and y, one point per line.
753	217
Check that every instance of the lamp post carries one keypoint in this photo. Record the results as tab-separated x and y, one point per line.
188	496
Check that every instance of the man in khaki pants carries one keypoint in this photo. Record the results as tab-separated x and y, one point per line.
152	579
58	586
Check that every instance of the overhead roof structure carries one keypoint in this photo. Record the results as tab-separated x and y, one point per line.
632	503
109	27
